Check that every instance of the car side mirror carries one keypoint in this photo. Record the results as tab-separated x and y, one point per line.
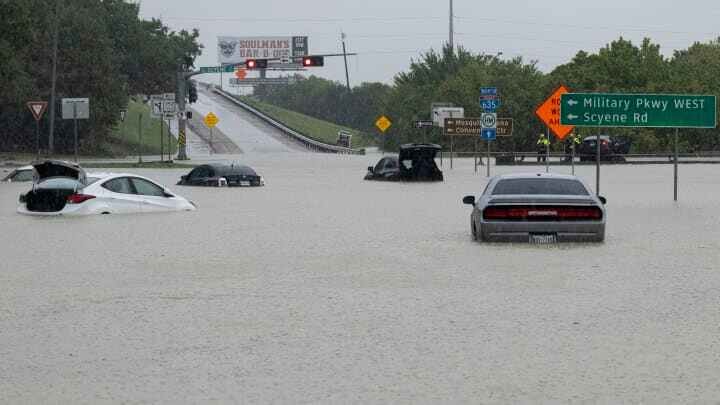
469	200
371	169
168	194
602	199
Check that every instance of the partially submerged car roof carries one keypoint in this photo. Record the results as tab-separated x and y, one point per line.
58	168
232	168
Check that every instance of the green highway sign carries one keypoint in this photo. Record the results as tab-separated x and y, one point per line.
638	110
216	69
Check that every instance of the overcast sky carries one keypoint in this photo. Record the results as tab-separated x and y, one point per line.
388	33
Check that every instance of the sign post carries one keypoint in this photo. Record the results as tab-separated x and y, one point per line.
140	138
211	120
37	108
489	133
383	124
640	111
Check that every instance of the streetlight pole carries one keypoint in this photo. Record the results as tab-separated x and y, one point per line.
451	42
53	80
347	75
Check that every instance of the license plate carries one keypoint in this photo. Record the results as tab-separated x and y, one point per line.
245	183
543	238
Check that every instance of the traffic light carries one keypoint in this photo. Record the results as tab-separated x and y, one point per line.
256	64
192	92
311	61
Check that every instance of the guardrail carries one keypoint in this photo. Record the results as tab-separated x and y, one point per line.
534	158
309	143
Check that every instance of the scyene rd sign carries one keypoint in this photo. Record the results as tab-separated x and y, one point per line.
638	110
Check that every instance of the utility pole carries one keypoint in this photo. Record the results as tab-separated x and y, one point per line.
180	92
53	80
452	29
180	99
347	75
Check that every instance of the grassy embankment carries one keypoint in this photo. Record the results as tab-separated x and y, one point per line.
124	138
314	128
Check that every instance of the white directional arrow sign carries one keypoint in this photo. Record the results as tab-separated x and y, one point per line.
572	102
572	117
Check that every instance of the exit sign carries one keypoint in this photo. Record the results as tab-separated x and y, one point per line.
638	110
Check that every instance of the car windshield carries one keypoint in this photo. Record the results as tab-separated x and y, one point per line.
539	186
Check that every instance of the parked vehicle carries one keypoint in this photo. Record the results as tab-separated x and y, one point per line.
537	208
610	148
63	188
20	174
415	162
219	175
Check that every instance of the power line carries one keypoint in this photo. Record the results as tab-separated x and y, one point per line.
302	20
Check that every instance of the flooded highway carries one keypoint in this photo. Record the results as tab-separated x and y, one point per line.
321	287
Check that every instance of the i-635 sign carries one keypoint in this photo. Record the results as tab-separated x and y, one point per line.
638	110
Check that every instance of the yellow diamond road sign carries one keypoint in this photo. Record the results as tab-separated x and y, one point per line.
211	120
383	123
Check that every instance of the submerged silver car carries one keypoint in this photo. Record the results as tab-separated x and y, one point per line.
537	207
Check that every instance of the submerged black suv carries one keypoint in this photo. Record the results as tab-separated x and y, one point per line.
415	162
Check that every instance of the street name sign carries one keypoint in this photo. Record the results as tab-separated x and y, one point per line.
504	126
639	110
217	69
549	113
37	108
383	123
462	126
423	124
473	126
275	81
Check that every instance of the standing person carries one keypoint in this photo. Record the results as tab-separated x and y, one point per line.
542	143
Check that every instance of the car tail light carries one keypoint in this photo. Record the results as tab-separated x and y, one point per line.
542	213
79	198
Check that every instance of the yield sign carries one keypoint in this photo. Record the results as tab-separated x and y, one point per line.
240	74
37	108
549	113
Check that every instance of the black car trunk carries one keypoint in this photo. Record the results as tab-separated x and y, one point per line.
47	200
54	181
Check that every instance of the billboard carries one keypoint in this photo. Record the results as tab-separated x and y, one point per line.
232	50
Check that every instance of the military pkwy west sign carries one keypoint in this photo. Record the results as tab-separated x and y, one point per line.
638	110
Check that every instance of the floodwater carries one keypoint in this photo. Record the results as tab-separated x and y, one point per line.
321	287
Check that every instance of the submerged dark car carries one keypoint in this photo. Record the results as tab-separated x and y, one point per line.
221	175
415	162
20	174
610	148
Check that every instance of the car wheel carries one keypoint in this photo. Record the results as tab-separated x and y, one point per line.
473	230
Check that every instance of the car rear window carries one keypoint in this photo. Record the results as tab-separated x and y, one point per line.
61	183
539	186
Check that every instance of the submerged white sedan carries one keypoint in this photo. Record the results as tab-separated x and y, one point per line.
63	188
